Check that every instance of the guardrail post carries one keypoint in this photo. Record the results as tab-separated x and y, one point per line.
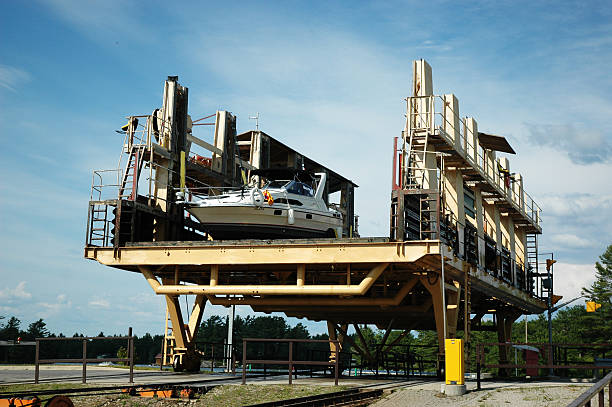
233	360
84	360
336	363
37	366
478	387
479	359
243	361
290	362
131	354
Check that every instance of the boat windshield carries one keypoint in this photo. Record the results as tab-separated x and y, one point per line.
276	184
299	188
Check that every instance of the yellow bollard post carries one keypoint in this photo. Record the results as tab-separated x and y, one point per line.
454	367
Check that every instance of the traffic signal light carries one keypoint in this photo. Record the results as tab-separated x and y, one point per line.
592	306
549	263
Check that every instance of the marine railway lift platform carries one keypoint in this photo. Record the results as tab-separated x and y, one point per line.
462	241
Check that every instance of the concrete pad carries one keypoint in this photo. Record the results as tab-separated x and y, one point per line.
455	389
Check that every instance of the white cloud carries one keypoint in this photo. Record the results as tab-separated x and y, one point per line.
569	279
19	292
8	310
10	77
52	308
583	145
569	240
99	303
576	204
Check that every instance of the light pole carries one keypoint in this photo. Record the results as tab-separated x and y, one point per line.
230	337
549	279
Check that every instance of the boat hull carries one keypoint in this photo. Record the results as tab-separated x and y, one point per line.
266	222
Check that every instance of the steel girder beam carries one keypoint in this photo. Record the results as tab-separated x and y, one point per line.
237	254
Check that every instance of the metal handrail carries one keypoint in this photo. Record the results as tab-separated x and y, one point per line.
290	362
548	349
598	388
84	359
436	121
101	185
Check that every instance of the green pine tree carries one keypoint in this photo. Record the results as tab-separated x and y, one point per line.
600	291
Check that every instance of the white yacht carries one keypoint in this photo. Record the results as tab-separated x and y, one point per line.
288	204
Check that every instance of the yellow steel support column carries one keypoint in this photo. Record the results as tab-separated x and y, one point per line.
185	334
214	275
453	296
438	307
301	274
196	316
176	316
331	332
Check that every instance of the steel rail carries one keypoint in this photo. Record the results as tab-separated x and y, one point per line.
345	398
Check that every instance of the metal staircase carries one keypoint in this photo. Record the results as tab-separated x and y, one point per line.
416	207
98	232
169	343
531	249
129	183
415	168
429	216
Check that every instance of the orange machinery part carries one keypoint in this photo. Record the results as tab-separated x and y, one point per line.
161	394
19	402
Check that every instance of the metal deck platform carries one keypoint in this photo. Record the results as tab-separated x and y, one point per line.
367	280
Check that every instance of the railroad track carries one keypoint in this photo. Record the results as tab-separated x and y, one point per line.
353	397
358	396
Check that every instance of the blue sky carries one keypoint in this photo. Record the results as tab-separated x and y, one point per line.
327	78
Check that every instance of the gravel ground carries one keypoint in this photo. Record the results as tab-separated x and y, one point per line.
492	395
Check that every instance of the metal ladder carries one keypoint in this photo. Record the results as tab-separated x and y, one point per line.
531	247
98	226
417	151
129	182
429	205
169	343
419	120
467	303
394	218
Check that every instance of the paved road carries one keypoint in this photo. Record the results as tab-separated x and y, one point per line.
116	376
95	374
